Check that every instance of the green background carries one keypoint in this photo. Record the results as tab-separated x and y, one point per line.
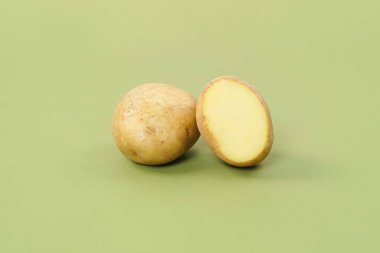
64	186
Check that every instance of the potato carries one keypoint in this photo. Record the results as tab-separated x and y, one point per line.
155	123
235	121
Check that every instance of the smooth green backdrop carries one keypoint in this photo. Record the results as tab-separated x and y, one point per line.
64	187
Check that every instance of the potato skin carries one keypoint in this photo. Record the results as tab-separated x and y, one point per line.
210	139
155	123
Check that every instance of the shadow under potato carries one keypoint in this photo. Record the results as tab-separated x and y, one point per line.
278	166
249	168
179	165
187	157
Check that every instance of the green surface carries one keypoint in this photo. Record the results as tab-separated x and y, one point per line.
64	187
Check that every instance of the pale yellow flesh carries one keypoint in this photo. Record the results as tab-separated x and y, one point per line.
237	120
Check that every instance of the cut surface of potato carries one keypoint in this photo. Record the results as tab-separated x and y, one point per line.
235	121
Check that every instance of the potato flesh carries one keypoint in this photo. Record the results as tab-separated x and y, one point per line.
237	120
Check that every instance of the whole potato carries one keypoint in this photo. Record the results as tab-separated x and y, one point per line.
155	123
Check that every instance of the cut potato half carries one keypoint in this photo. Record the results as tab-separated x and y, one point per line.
235	121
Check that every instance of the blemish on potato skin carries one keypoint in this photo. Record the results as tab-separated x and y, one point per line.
150	130
134	153
187	131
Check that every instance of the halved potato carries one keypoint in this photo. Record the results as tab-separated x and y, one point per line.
235	121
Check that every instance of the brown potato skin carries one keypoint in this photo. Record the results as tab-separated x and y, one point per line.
155	123
210	139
